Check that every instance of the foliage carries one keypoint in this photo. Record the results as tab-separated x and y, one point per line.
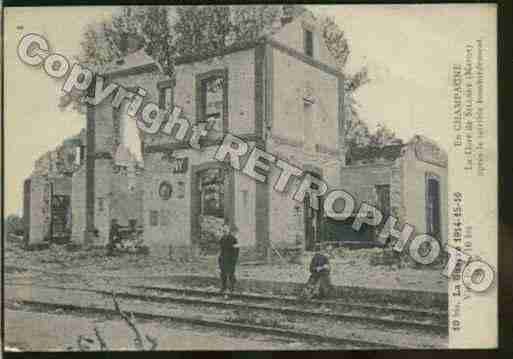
201	29
357	132
251	22
158	37
384	136
336	42
168	32
130	29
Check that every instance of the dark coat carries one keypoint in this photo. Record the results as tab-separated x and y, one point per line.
319	260
114	236
229	253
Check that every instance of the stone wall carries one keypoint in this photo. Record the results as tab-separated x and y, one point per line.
170	222
407	179
414	195
286	215
291	79
360	181
102	190
126	198
78	206
114	199
41	189
241	88
292	34
174	224
286	219
39	209
304	131
245	202
61	160
240	68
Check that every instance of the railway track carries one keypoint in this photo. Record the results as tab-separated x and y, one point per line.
432	320
146	302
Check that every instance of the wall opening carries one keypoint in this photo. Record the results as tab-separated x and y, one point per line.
212	196
212	103
308	42
383	197
313	220
433	206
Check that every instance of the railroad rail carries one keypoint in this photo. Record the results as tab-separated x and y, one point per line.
368	315
278	333
423	318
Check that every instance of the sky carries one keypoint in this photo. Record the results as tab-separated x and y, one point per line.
408	50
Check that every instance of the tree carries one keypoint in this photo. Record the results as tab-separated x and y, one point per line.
98	46
159	42
335	41
356	130
253	21
201	29
168	32
131	28
384	136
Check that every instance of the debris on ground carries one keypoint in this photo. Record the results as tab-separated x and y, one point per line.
371	267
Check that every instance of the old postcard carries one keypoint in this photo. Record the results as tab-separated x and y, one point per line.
260	177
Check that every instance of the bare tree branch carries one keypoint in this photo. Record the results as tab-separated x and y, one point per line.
154	342
138	340
103	343
82	346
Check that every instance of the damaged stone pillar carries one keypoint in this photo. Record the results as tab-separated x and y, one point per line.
101	140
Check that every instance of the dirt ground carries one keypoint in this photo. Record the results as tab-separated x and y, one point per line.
57	266
349	267
56	332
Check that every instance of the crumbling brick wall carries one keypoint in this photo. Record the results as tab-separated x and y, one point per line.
42	187
39	209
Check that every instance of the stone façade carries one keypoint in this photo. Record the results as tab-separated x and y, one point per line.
276	98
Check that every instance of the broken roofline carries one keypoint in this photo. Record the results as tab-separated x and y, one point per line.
188	59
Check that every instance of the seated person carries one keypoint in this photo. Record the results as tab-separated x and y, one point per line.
319	283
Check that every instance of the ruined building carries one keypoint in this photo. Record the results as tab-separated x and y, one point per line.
281	93
407	181
47	192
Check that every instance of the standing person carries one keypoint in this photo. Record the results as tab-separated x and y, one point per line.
319	283
228	258
114	237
